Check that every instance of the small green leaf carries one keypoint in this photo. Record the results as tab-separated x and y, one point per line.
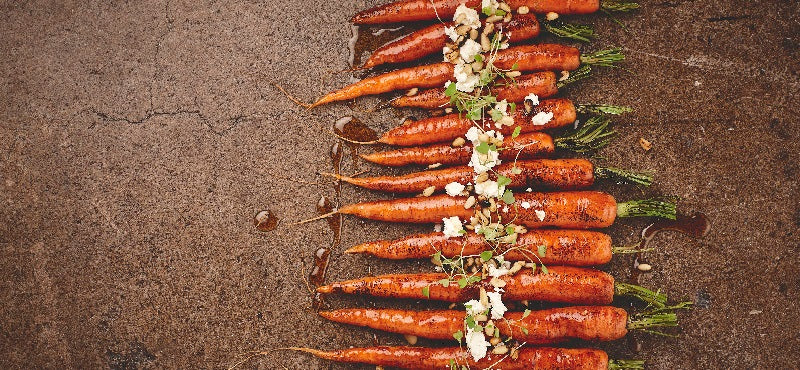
509	230
496	115
444	282
524	330
453	362
496	332
487	11
479	58
426	291
500	12
542	250
462	282
483	148
533	269
508	197
544	269
475	114
526	313
473	279
517	131
470	321
462	231
515	66
512	110
437	258
486	256
451	89
458	336
516	170
502	180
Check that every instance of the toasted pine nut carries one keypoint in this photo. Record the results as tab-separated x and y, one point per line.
523	10
428	191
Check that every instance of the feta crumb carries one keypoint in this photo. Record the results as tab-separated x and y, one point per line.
472	134
495	134
484	162
540	214
453	189
533	98
505	209
452	226
497	271
465	79
542	118
529	190
498	308
475	307
477	344
470	16
489	189
491	4
525	204
451	32
469	50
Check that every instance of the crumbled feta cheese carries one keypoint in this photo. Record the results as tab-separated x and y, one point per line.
505	121
470	16
477	344
502	107
497	271
472	134
525	204
437	228
451	33
469	50
504	46
452	226
489	189
465	79
453	189
498	308
529	190
540	214
491	4
475	307
542	118
495	134
533	98
483	162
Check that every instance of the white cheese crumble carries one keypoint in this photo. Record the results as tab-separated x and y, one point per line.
472	133
437	228
465	79
498	271
484	162
542	118
453	189
451	33
469	50
452	226
477	344
475	307
489	189
540	214
525	204
491	4
533	98
470	16
529	190
498	308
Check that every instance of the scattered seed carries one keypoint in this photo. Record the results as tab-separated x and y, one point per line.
435	165
504	7
519	229
412	92
516	267
448	110
494	341
497	283
459	141
379	367
644	267
513	74
514	353
646	145
486	44
523	10
482	177
470	262
481	318
473	34
470	202
428	191
452	306
463	29
551	16
483	138
500	350
564	76
507	17
493	19
484	299
497	142
411	339
477	66
489	328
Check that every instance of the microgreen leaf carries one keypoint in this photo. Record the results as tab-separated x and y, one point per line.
544	269
502	180
462	282
486	256
509	230
483	148
451	89
496	115
517	131
470	321
526	313
487	11
515	66
524	330
542	250
500	12
516	170
478	58
508	197
426	291
458	335
437	258
445	282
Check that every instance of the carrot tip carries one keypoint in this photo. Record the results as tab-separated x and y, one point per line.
292	98
361	248
315	352
329	214
325	289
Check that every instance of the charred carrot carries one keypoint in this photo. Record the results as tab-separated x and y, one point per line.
526	58
561	284
432	39
561	247
593	323
423	10
529	358
570	210
541	174
592	135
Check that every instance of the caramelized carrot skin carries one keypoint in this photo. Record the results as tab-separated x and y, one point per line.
562	284
447	128
594	323
536	173
420	10
414	210
432	39
532	358
541	57
529	146
543	84
562	247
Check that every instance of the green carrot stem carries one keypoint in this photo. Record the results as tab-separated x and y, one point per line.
647	208
625	364
663	317
618	5
593	135
599	109
655	299
578	32
623	176
576	76
604	58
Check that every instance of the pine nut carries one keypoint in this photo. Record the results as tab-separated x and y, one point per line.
494	18
428	191
412	92
463	29
523	10
480	318
411	339
482	177
470	202
488	28
551	16
494	341
477	66
644	267
505	7
435	165
459	141
500	350
486	44
513	74
473	34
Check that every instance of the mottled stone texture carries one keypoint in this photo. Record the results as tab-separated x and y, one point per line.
138	139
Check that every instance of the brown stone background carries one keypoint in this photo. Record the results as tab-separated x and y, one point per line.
139	138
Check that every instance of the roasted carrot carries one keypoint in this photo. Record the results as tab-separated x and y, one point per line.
562	284
526	58
540	174
446	128
592	135
432	39
561	247
543	84
549	326
571	210
529	358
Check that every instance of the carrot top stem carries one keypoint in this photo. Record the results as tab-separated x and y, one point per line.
623	176
618	5
576	76
655	207
578	32
604	58
655	299
593	135
600	109
625	364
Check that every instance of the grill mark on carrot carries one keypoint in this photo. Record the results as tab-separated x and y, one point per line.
562	284
432	39
562	247
446	128
594	323
543	84
538	174
525	146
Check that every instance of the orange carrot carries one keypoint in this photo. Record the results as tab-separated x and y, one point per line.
529	358
543	84
561	247
432	39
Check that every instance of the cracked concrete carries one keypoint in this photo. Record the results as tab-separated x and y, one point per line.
138	139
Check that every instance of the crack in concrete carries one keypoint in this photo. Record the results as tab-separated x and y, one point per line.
150	114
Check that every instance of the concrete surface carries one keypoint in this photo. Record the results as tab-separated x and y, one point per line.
138	140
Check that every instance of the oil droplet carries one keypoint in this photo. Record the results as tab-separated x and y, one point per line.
361	42
324	206
353	129
265	221
695	225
